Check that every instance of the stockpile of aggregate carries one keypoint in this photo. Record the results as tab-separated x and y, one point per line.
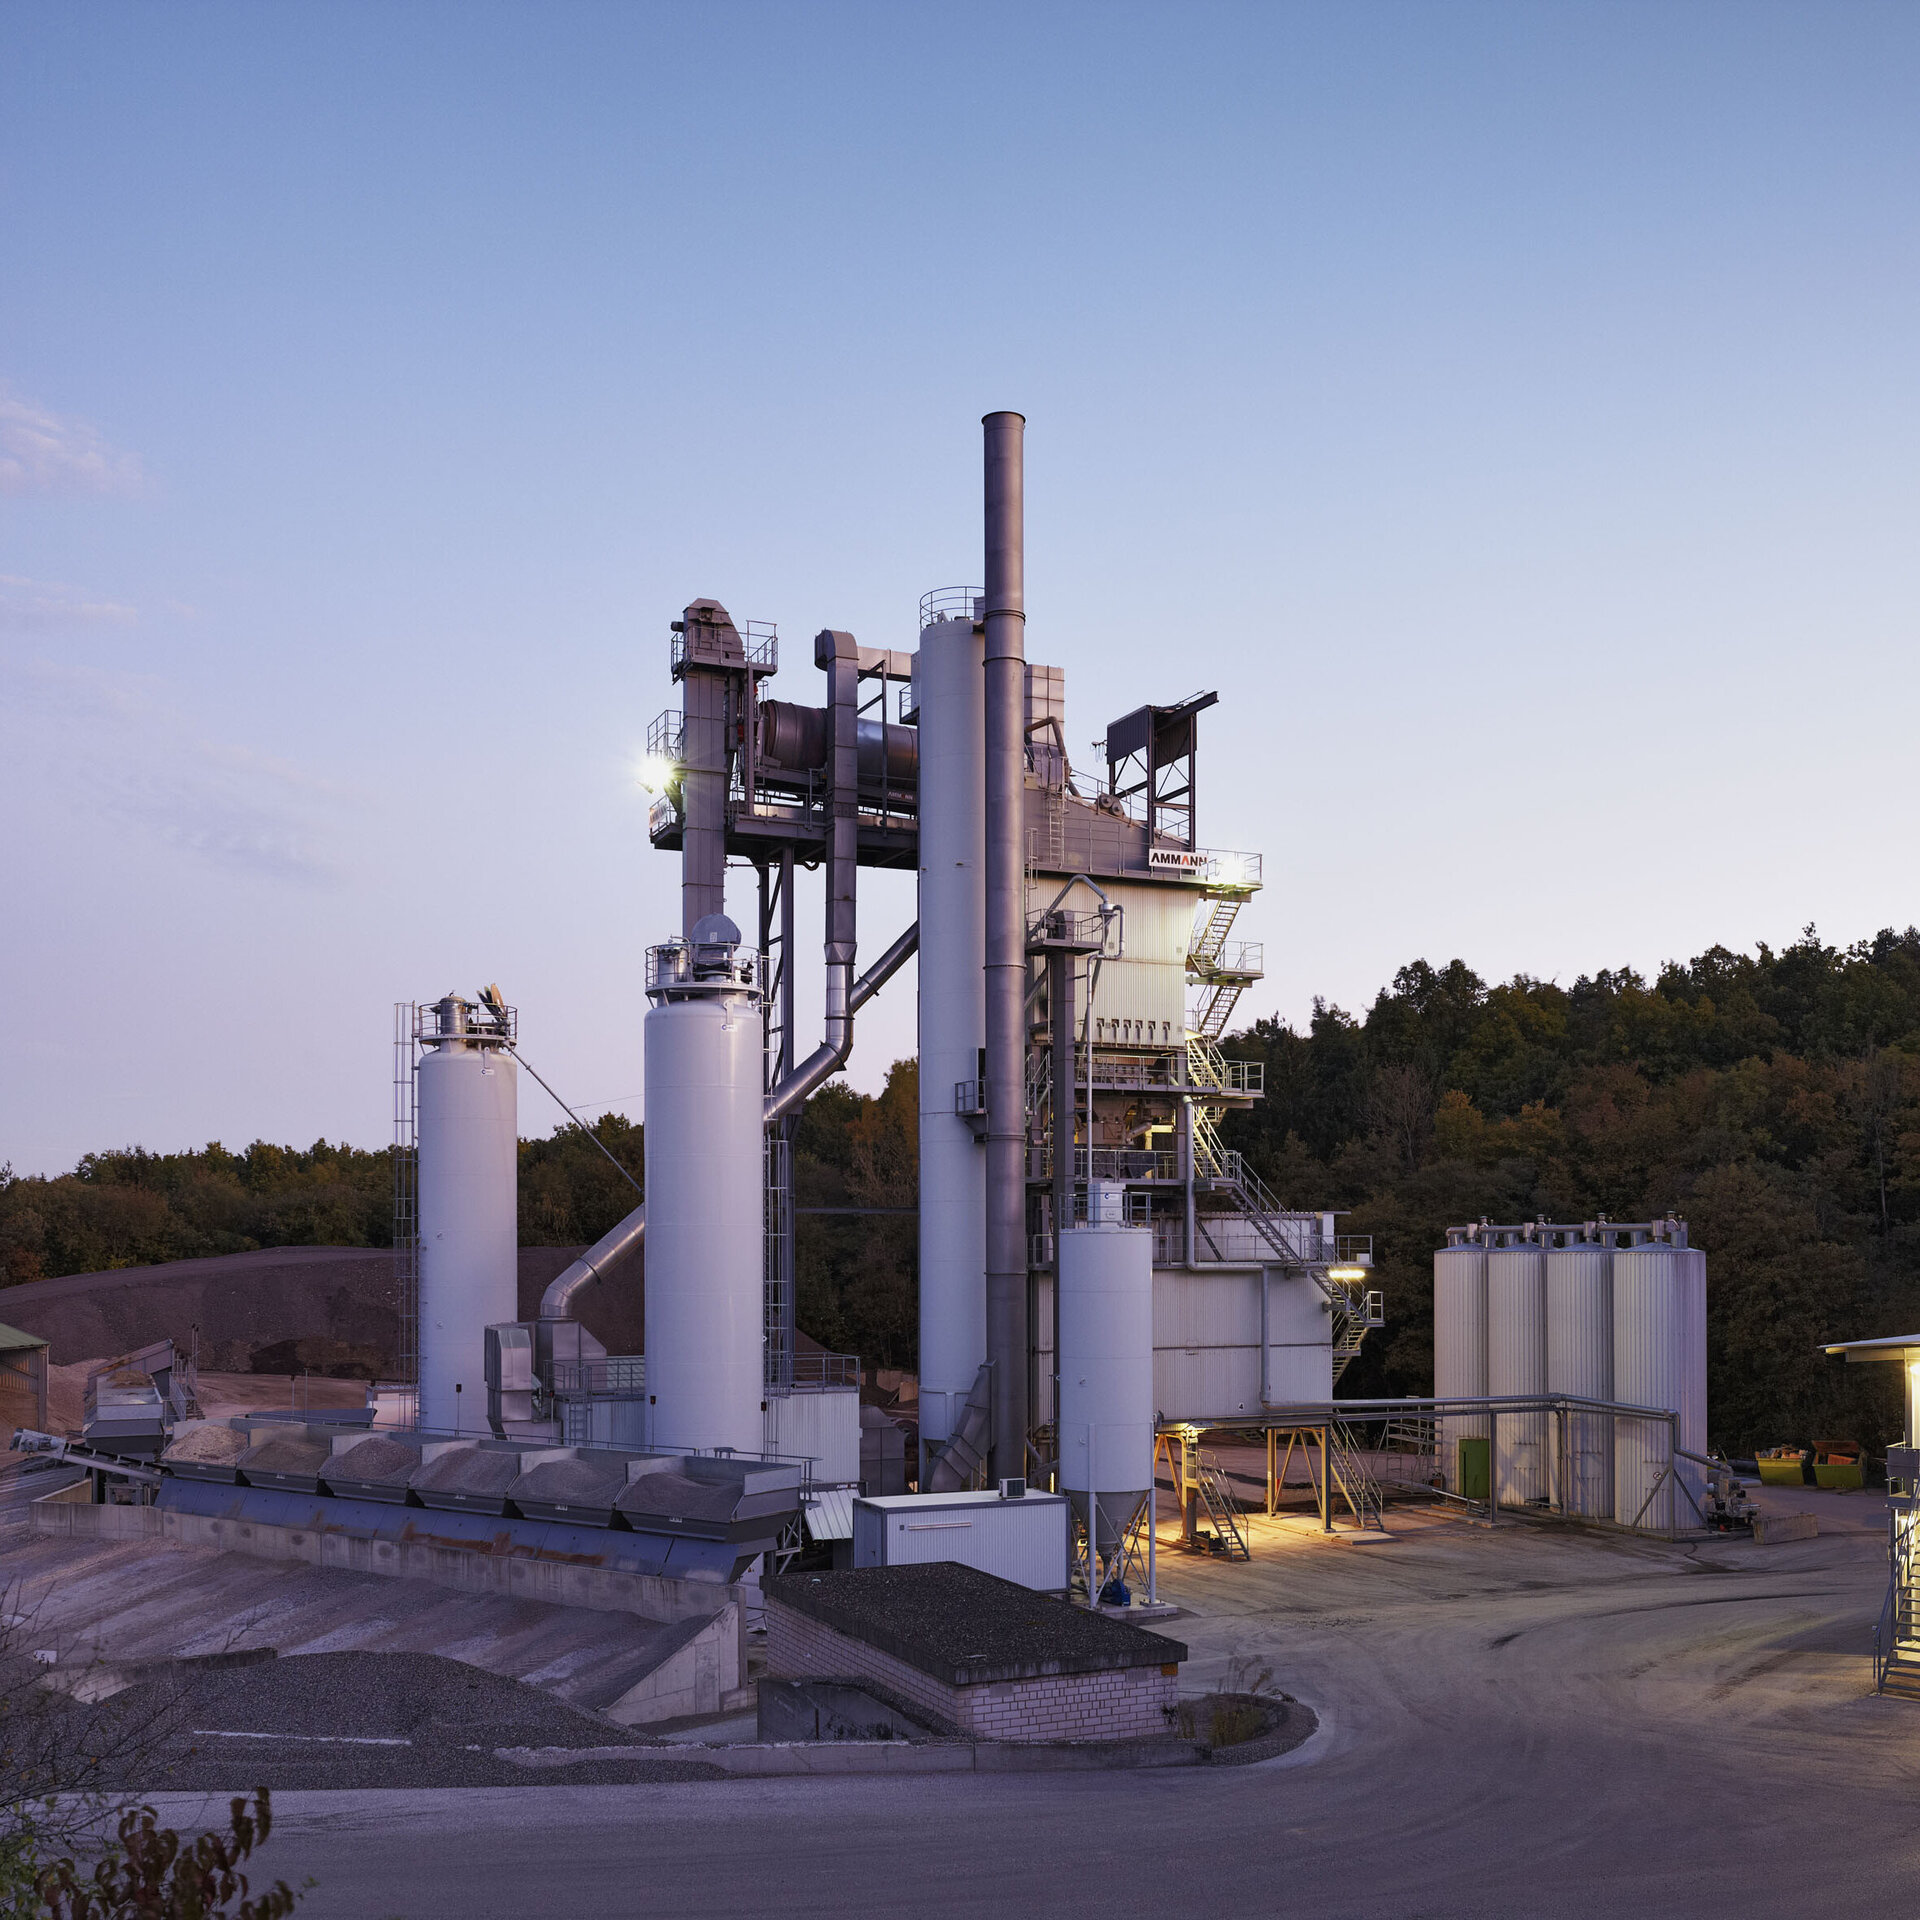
581	1482
375	1461
207	1443
673	1493
378	1720
286	1453
469	1470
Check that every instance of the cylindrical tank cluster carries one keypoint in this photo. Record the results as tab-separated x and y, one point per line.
469	1258
1604	1313
706	1194
1106	1365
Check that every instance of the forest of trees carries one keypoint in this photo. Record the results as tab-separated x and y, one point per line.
1773	1100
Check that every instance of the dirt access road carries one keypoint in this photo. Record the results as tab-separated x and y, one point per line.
1522	1722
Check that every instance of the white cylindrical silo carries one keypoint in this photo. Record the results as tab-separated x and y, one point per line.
1517	1365
1693	1384
469	1258
1653	1352
1580	1363
1460	1359
1106	1363
705	1305
949	685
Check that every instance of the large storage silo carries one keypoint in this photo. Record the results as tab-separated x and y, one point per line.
1658	1343
1106	1364
1460	1361
949	688
469	1259
1580	1364
705	1307
1517	1365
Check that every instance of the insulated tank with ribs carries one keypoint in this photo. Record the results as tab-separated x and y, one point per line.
469	1240
1516	1366
705	1309
1659	1356
1580	1364
1106	1364
1459	1348
949	682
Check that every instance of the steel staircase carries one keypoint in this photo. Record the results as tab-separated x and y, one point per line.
1222	974
1896	1635
1352	1480
1217	1502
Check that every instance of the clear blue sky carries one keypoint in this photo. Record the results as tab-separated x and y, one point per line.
1511	409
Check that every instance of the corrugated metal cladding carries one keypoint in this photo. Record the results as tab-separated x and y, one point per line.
1020	1540
1517	1364
1046	694
1580	1362
1141	997
1459	1347
830	1514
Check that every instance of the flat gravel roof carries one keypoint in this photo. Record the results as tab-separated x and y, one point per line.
965	1627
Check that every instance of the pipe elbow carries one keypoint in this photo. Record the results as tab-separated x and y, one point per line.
557	1303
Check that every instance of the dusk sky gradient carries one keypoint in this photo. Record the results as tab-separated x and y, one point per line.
1512	410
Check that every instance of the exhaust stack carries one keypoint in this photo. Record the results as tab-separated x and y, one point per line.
1006	947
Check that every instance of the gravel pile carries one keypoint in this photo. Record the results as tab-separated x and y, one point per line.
206	1443
583	1482
378	1719
282	1453
469	1470
673	1493
375	1460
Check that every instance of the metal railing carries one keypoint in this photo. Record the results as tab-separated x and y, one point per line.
677	963
667	735
615	1376
970	1099
760	640
952	603
814	1371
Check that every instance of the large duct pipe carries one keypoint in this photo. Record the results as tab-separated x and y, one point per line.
825	1061
798	740
611	1250
1006	957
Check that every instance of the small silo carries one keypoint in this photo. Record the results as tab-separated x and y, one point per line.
1106	1364
705	1309
1659	1360
1460	1362
1517	1366
1580	1364
949	689
469	1259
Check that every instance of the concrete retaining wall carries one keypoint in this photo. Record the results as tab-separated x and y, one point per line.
606	1591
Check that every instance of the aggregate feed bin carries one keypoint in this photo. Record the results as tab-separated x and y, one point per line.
1025	1538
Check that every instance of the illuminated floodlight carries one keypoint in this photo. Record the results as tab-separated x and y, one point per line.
1348	1273
656	770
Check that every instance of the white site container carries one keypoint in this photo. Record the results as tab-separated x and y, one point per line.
950	688
469	1248
706	1187
1517	1365
1459	1348
1580	1364
1025	1540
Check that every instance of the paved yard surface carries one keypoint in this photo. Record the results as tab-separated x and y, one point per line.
1526	1722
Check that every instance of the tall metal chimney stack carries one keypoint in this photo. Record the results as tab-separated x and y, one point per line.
1006	955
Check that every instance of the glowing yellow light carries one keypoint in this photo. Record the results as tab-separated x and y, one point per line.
656	770
1349	1273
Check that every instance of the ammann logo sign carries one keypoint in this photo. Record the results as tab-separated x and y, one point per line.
1178	860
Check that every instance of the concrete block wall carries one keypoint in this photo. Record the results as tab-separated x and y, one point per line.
1124	1704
